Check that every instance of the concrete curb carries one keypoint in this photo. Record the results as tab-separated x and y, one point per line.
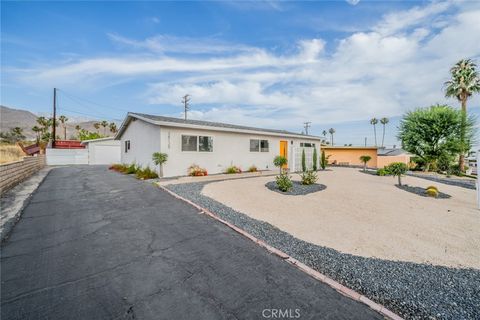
21	194
303	267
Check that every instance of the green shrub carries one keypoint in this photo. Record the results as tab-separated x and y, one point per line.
397	169
432	187
309	177
284	182
304	163
233	169
314	159
146	173
131	169
431	193
383	172
252	169
323	160
280	161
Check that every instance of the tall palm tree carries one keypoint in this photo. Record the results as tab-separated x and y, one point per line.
113	127
462	85
374	122
63	120
331	131
383	121
104	124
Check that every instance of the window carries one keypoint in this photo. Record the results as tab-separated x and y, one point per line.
127	145
258	145
205	144
254	145
264	145
189	143
307	145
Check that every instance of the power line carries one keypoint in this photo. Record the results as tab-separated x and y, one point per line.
89	114
73	97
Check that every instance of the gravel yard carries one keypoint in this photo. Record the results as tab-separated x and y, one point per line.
413	290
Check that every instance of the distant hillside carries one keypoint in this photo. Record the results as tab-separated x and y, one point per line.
11	118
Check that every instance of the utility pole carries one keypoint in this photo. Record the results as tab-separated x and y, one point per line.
306	125
186	105
365	141
54	124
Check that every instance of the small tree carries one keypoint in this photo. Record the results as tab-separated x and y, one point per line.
397	169
304	164
280	161
159	159
323	160
314	160
365	159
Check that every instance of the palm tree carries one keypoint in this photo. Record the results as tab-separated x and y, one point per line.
365	159
374	122
104	124
383	121
113	127
331	131
159	159
324	132
63	120
96	125
463	84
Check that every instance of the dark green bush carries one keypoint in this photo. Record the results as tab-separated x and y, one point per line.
309	177
284	182
383	172
314	160
131	169
304	162
233	169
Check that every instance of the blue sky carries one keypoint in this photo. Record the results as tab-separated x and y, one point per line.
269	64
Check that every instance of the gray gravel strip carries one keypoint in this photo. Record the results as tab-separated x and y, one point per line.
468	184
298	188
414	291
421	192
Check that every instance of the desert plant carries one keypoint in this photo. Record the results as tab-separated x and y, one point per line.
383	172
117	167
159	159
233	169
397	169
284	182
131	169
314	159
252	168
146	173
323	160
197	171
431	193
365	159
309	177
280	161
304	161
432	187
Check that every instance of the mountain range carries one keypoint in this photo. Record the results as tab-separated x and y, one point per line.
11	118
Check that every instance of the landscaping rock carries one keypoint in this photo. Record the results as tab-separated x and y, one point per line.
298	188
412	290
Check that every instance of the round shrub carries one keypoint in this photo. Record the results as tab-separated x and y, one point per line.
431	193
432	187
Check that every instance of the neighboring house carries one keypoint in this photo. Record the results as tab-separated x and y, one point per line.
103	150
387	156
350	155
211	145
472	162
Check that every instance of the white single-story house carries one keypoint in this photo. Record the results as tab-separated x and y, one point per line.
103	150
210	145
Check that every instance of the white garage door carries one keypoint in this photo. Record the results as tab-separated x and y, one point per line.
104	154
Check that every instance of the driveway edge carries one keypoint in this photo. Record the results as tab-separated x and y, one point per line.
16	199
299	265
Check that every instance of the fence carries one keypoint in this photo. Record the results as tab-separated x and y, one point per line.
13	173
66	156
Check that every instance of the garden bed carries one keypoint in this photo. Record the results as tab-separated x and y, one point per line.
421	192
298	188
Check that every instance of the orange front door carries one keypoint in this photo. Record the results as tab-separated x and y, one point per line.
284	151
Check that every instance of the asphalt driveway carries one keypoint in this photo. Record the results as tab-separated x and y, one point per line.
94	244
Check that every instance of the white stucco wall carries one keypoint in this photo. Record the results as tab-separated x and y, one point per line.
103	151
66	156
229	148
144	141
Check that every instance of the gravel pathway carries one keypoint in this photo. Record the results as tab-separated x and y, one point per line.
414	291
421	192
298	188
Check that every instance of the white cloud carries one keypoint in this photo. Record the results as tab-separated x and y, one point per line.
353	2
401	63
